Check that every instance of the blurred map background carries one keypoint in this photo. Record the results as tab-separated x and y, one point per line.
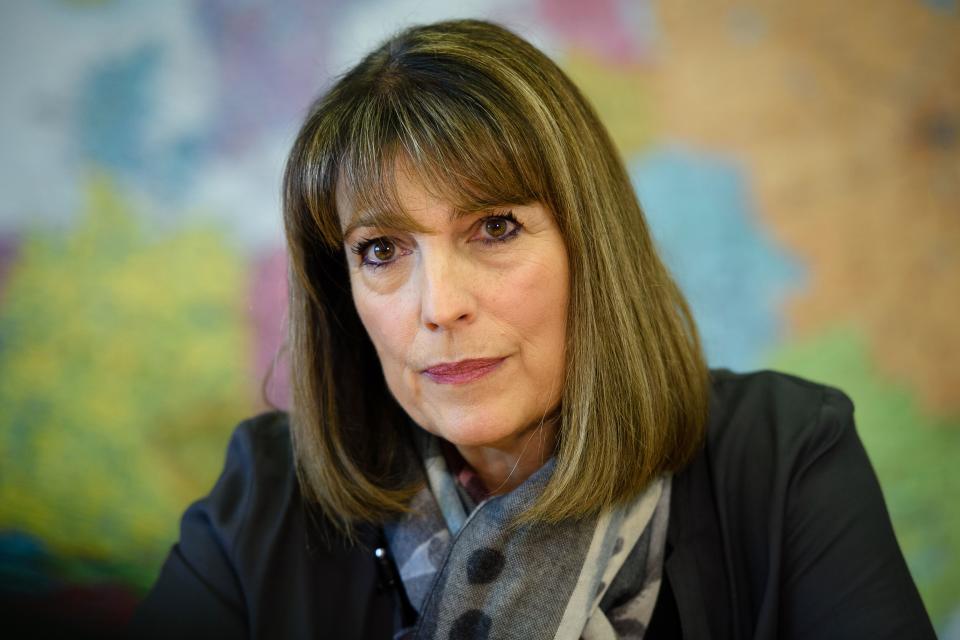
799	163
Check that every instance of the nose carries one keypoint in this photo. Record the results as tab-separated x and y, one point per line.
446	292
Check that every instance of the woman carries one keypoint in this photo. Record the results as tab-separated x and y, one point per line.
502	423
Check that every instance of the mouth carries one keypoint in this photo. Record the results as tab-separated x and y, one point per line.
463	371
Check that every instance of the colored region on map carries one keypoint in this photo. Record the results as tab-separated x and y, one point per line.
123	368
620	95
615	31
263	86
853	147
700	210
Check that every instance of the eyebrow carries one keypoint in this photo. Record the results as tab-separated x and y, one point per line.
400	222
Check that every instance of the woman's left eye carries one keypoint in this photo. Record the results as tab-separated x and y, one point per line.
499	228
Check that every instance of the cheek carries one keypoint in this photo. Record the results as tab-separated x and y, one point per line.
535	300
385	318
538	312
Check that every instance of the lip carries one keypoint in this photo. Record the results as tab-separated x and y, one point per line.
463	371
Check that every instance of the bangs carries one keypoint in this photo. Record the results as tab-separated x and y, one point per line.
453	144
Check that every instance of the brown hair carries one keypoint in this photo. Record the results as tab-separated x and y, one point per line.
486	119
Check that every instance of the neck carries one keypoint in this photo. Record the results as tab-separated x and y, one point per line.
504	466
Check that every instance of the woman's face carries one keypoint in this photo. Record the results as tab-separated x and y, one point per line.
468	318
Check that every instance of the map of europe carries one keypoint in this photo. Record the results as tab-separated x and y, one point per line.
799	164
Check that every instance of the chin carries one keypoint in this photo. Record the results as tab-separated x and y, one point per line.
470	437
477	433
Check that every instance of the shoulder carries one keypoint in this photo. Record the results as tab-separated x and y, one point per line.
255	558
275	544
258	467
255	519
261	444
258	494
773	417
260	450
806	539
768	435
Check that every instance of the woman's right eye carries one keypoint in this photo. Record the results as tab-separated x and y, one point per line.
376	252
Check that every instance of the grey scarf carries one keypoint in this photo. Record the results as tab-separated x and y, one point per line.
469	577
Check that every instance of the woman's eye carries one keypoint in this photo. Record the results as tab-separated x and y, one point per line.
376	252
495	227
382	249
499	228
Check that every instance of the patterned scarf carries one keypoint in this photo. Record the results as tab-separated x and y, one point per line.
468	576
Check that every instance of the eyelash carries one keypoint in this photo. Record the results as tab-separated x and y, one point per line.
361	246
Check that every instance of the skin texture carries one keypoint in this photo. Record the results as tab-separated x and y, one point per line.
451	293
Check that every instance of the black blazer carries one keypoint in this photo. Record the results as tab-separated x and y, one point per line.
778	529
